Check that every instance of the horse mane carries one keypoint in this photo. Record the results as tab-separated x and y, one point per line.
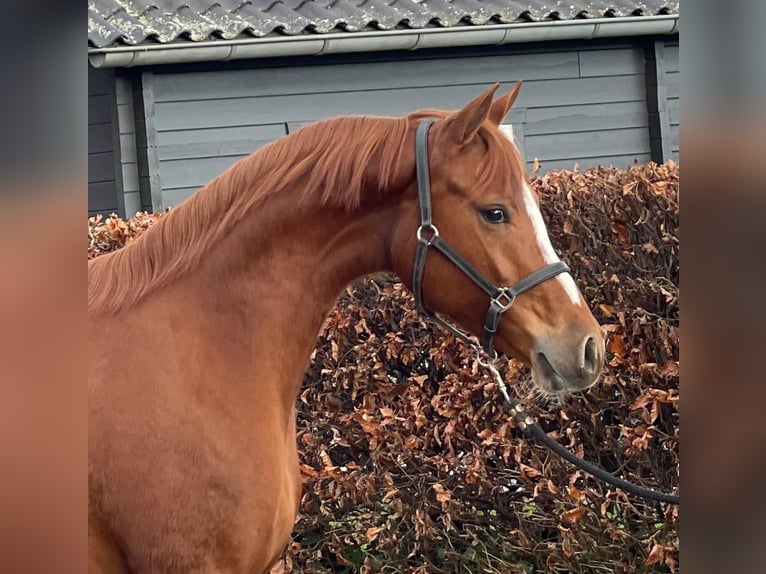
335	153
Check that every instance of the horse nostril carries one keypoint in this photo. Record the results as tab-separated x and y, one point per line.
590	358
548	372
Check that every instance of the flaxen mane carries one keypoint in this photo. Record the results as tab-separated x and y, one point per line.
329	158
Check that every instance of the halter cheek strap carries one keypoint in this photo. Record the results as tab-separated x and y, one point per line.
500	298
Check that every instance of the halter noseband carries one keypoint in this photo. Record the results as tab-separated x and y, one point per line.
500	298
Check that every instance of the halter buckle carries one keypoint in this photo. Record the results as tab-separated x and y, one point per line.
504	300
428	228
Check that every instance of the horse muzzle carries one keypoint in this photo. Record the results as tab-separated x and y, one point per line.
566	362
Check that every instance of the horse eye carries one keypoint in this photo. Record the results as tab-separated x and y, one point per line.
495	215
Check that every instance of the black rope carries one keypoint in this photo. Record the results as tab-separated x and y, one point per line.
533	429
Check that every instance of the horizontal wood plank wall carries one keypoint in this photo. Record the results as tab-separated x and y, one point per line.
103	160
672	82
577	106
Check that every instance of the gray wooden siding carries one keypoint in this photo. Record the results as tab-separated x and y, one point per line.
672	83
578	106
103	149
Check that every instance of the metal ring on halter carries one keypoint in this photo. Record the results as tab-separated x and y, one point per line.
492	357
430	227
504	300
479	359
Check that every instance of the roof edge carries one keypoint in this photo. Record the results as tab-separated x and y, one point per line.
376	41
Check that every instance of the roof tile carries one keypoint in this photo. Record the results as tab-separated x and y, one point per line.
134	22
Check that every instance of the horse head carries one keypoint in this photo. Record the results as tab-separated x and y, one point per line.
487	217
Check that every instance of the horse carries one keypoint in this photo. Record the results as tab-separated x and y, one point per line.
201	330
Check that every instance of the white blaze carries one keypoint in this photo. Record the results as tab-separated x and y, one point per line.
544	242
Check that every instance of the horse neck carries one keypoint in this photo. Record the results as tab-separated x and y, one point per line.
269	284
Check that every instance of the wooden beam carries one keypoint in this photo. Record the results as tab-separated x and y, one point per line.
657	101
146	143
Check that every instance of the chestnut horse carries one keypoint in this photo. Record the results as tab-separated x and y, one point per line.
201	330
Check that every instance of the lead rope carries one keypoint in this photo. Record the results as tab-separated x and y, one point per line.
531	428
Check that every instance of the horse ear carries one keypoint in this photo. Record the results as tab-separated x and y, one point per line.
463	124
502	105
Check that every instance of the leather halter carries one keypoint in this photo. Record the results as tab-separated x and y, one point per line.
500	298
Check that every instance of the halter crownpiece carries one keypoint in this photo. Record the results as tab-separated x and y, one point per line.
500	298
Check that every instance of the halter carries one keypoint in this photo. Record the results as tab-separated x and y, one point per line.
500	298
